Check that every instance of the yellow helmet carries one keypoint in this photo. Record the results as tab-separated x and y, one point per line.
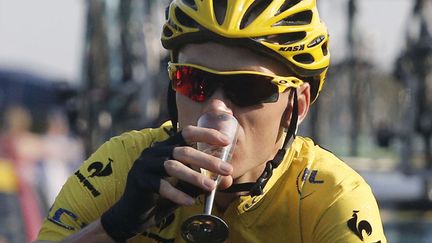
287	30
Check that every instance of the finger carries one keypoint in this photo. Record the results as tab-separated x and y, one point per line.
193	134
198	159
225	182
166	190
185	173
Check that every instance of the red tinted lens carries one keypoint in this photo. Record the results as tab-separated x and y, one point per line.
189	82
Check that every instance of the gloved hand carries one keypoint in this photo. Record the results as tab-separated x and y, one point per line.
127	216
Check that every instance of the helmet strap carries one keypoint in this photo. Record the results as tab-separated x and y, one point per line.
172	107
257	188
171	97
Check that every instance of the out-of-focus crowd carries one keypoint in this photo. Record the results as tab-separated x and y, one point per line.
42	160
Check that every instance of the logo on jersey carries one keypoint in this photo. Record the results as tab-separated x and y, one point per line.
307	175
60	214
95	169
358	227
311	176
247	206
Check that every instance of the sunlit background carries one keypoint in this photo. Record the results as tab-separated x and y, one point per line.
75	73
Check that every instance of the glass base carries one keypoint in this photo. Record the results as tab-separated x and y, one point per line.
204	228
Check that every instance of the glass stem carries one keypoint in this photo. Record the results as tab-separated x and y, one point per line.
209	202
210	198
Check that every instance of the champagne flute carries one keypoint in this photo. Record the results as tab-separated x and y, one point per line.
207	227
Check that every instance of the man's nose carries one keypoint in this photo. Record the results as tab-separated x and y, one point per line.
218	102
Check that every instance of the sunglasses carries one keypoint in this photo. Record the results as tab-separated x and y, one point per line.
243	88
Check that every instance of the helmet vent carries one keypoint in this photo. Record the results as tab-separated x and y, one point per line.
184	19
220	8
324	48
191	4
167	31
287	5
254	10
286	39
305	58
300	18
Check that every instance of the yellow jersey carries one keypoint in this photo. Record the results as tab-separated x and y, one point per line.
311	197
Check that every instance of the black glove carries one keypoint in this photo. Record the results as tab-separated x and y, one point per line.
127	216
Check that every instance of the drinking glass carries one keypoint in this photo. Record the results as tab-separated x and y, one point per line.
206	227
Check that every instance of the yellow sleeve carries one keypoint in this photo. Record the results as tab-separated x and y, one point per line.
354	217
96	185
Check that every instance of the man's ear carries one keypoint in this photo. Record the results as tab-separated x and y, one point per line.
303	102
303	93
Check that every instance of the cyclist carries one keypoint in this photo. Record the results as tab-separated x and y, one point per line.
264	62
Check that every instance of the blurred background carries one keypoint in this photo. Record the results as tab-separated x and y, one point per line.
75	73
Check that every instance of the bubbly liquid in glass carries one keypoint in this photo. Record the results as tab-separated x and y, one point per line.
224	153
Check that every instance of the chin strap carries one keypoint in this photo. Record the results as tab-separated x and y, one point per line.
172	107
257	188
